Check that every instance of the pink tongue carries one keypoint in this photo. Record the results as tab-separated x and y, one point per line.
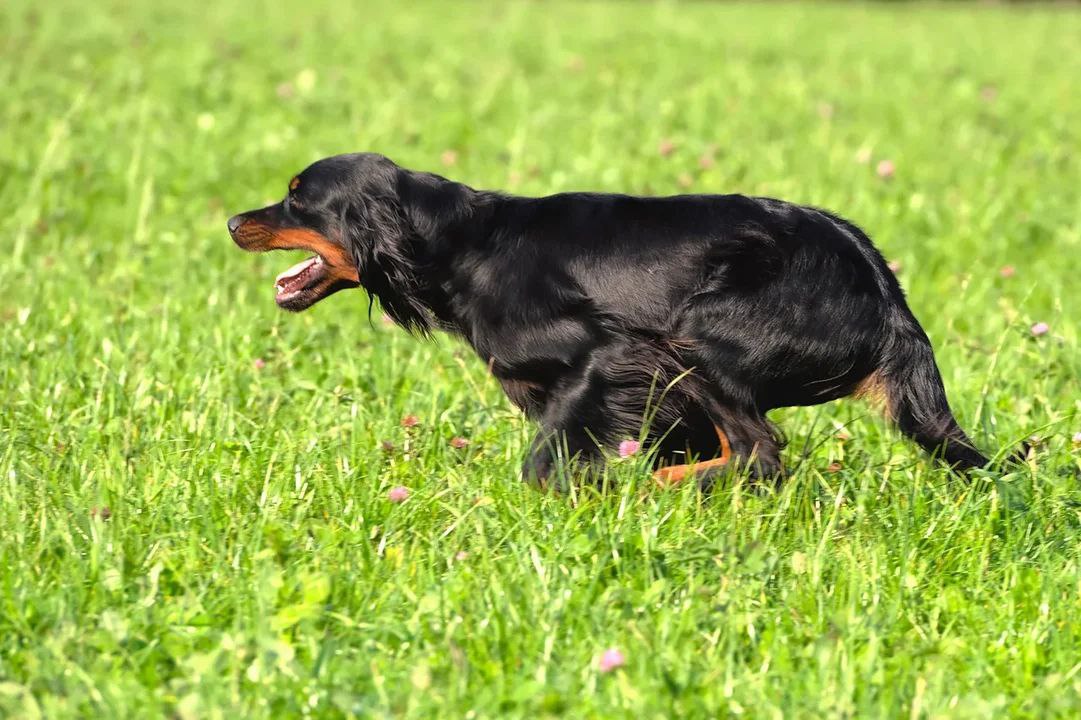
295	270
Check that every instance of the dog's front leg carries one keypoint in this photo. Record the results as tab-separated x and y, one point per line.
574	426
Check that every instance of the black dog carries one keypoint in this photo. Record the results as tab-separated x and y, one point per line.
690	316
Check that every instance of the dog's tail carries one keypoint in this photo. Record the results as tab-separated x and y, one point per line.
909	385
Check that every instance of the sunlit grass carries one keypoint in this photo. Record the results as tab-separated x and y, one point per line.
195	486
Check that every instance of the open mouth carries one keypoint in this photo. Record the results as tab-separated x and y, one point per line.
328	269
302	276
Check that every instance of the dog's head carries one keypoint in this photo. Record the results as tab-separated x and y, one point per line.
369	223
311	217
347	211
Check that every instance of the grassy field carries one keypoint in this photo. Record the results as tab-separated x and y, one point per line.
194	485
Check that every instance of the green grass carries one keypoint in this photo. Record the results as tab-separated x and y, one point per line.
251	564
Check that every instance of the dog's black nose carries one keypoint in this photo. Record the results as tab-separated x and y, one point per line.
235	222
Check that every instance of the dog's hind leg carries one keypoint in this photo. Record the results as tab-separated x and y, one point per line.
747	441
702	471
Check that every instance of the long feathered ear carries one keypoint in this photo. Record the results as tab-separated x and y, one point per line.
386	248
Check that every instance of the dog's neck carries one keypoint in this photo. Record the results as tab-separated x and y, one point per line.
440	209
442	219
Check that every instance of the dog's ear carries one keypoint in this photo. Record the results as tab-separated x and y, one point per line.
387	248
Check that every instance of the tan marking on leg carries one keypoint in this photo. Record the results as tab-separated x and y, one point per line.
675	474
873	389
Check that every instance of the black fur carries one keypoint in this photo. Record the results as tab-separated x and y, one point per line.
599	313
